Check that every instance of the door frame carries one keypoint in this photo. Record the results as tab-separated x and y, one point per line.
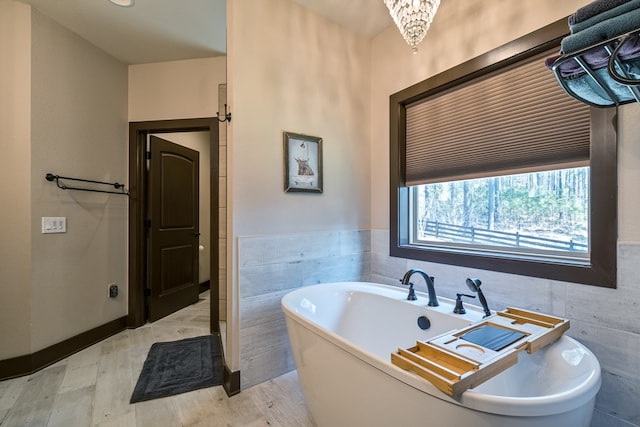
138	185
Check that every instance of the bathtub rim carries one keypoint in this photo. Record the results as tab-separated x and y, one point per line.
502	405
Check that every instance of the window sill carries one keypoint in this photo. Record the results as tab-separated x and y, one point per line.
563	270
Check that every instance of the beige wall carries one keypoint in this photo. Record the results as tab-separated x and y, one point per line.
15	181
78	129
290	70
66	113
297	72
629	175
175	90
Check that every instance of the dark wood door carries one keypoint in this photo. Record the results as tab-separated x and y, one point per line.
172	272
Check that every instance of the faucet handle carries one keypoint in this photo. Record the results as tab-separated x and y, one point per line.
459	308
412	293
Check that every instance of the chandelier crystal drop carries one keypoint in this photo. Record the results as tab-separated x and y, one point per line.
413	18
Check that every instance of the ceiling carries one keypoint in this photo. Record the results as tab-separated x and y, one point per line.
171	30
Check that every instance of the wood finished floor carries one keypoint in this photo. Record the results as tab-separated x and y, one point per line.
93	387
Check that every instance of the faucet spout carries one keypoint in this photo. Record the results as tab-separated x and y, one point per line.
431	290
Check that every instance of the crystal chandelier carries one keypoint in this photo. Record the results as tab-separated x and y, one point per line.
413	18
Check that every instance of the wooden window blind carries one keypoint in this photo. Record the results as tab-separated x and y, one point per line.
514	120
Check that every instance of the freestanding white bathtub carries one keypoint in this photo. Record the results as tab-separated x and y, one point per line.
342	336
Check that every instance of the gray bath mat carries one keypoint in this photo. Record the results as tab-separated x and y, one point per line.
178	367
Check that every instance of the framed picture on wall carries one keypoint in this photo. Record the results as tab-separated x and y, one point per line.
302	163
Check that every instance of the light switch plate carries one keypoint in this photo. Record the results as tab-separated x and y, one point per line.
54	224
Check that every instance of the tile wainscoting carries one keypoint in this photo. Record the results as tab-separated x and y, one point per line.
271	266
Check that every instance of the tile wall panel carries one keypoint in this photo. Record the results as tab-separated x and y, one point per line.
271	266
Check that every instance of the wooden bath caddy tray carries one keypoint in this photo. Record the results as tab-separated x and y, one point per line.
464	358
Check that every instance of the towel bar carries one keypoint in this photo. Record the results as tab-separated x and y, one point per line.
51	177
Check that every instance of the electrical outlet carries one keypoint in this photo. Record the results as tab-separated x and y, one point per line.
112	290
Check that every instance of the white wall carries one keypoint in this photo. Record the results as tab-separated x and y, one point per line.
15	181
606	320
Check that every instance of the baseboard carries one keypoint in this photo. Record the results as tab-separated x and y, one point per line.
30	363
231	381
204	286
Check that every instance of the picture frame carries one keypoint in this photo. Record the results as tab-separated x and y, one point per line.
302	163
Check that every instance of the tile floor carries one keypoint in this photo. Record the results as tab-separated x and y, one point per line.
93	387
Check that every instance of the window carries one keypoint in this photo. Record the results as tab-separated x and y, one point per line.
493	166
539	214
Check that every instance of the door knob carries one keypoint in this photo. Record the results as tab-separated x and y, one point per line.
196	234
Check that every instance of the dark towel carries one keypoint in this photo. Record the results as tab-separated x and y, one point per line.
602	31
585	89
594	8
608	14
595	58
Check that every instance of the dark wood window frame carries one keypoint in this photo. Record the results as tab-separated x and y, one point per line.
600	270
